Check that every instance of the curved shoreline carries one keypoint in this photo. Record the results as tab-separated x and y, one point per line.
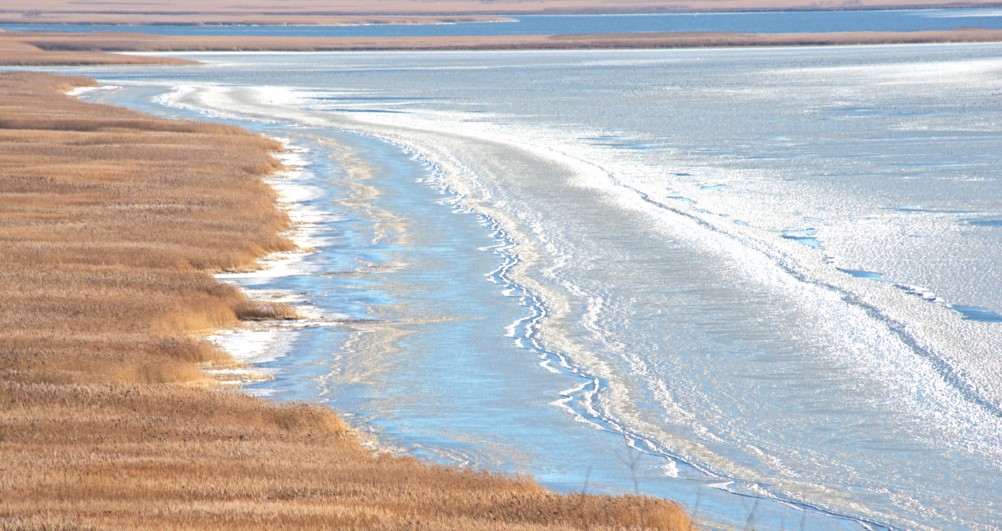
107	417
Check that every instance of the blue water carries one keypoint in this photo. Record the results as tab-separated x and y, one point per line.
748	22
555	262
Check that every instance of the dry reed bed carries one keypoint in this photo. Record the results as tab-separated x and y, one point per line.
110	222
15	51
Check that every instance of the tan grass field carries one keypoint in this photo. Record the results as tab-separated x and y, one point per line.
17	51
110	223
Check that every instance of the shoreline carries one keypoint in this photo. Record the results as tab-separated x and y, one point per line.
113	19
51	49
334	11
252	344
397	19
108	417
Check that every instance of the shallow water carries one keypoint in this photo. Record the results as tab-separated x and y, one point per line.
746	22
762	282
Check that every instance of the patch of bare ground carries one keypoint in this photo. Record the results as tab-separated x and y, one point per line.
110	223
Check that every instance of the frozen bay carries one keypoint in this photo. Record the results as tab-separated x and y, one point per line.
764	283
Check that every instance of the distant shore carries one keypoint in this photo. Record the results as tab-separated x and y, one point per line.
334	12
46	48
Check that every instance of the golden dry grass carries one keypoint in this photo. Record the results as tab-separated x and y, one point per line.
110	220
109	224
34	57
16	51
